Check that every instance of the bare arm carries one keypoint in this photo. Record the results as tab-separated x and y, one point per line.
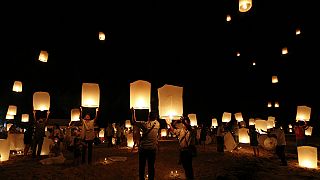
95	118
48	113
81	117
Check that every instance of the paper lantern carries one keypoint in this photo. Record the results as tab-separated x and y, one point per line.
140	92
130	141
276	104
214	122
228	18
12	110
238	116
261	124
43	57
41	101
307	156
128	124
251	122
284	50
238	54
25	118
101	133
17	86
102	36
253	63
170	101
308	132
269	104
4	150
303	113
9	126
245	5
75	114
163	133
243	135
298	32
9	116
193	119
290	126
271	122
290	130
275	79
47	142
90	95
226	117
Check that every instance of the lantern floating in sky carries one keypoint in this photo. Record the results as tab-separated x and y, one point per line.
25	118
298	32
228	18
75	114
261	124
4	150
163	133
276	104
41	101
251	122
243	135
275	79
303	113
140	92
238	116
245	5
90	95
170	101
226	117
43	57
284	50
269	104
17	86
12	110
308	132
193	119
290	126
128	124
307	156
9	116
214	122
253	63
102	36
238	54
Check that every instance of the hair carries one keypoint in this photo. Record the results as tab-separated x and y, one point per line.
186	122
153	115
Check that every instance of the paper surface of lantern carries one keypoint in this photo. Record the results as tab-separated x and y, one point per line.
140	92
269	104
41	101
298	31
75	114
284	50
271	122
101	133
4	149
251	122
128	124
228	18
226	117
12	110
308	132
25	118
17	86
43	57
307	156
102	36
303	113
261	124
276	104
9	116
245	5
238	116
170	101
130	142
214	122
243	135
193	119
90	95
275	79
163	133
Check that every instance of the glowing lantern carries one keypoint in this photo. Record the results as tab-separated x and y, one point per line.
298	32
275	79
251	122
307	156
101	133
41	101
170	101
238	54
17	86
214	122
245	5
9	116
238	116
276	104
253	63
90	95
102	36
269	104
25	118
4	149
130	142
114	140
303	113
290	126
308	132
12	110
261	124
140	92
228	18
128	124
243	135
226	117
193	119
290	130
284	50
43	57
75	114
9	126
163	133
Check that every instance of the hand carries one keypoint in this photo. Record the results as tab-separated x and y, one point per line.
168	121
97	109
80	108
48	112
34	111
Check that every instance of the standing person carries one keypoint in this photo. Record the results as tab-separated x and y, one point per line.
27	139
39	133
220	138
88	134
186	138
235	130
299	130
136	136
203	136
148	144
109	134
281	144
118	135
253	134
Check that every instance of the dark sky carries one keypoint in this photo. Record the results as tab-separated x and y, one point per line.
180	43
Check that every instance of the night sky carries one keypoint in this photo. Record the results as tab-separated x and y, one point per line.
188	44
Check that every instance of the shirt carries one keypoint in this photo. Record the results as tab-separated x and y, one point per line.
183	136
149	141
88	130
40	127
281	139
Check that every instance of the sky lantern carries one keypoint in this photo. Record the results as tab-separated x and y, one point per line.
271	121
193	119
90	95
284	50
17	86
245	5
41	101
253	63
261	124
276	104
214	122
43	57
101	133
128	124
308	132
307	156
238	116
4	150
303	113
163	133
275	79
75	114
228	18
170	101
251	122
25	118
102	36
226	117
298	32
8	116
12	110
140	92
269	104
243	135
238	54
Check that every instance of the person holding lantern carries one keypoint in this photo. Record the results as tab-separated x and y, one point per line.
299	130
39	133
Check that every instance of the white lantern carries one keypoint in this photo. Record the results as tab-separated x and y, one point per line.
17	86
303	113
4	149
276	104
261	124
275	79
102	36
75	114
269	104
90	95
9	116
193	119
130	142
170	101
271	122
214	122
307	156
43	57
308	132
226	117
298	32
238	116
12	110
251	122
243	135
128	124
238	54
101	133
228	18
25	118
290	126
284	50
245	5
140	92
253	63
41	101
163	133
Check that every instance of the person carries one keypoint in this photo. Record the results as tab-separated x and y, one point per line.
186	138
235	131
118	135
109	134
27	139
299	130
77	148
253	134
281	143
148	143
136	136
88	134
220	138
39	133
58	135
203	136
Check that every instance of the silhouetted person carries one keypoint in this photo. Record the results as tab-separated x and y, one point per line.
39	133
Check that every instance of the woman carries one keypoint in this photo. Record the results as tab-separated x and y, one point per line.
253	134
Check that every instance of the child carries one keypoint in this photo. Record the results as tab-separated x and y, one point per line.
253	134
77	147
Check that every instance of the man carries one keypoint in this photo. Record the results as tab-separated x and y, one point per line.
39	133
281	143
148	144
